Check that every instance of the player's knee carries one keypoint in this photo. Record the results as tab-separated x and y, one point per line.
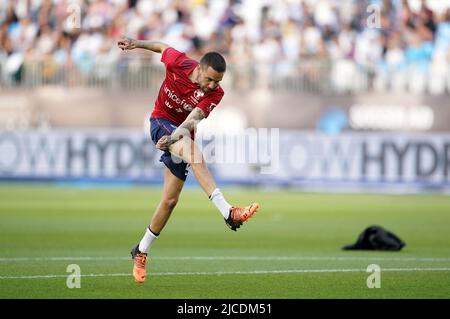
170	202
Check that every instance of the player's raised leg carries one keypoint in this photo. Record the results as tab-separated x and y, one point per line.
188	150
171	192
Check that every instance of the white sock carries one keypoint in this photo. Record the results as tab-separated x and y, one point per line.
147	241
220	202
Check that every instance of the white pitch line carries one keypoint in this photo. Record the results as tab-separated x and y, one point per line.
303	258
274	258
219	273
6	259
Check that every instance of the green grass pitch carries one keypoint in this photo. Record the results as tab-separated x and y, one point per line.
289	249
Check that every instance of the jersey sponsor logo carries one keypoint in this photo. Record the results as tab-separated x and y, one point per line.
182	102
168	105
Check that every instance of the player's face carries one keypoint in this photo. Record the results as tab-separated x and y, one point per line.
208	78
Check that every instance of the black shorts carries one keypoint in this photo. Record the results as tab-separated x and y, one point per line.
158	128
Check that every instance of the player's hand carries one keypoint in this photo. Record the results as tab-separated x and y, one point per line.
127	43
164	143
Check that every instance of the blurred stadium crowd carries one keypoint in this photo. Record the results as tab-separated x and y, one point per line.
276	38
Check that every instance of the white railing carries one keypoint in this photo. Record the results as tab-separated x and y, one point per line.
315	76
141	74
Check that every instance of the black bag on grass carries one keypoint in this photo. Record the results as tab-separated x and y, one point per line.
377	238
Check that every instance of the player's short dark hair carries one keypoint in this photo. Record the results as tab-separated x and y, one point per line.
214	60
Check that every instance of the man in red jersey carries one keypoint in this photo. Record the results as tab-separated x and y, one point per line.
189	93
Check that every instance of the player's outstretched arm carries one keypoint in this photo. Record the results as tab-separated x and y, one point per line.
130	44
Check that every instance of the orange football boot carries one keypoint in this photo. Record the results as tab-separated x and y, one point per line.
239	215
140	263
